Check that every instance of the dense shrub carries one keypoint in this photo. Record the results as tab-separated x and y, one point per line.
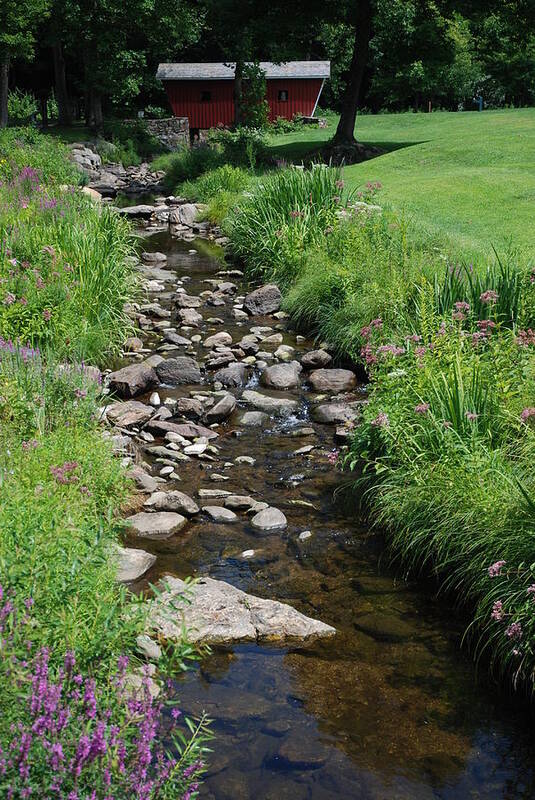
222	179
187	164
21	107
65	276
132	137
287	212
241	147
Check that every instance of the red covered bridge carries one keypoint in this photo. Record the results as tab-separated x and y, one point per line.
204	93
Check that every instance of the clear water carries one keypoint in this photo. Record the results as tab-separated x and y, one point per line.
389	709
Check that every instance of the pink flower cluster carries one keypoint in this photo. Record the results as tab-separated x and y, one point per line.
64	473
495	570
381	421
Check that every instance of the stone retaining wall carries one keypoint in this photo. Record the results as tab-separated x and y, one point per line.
172	132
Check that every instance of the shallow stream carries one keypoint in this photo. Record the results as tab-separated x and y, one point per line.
388	709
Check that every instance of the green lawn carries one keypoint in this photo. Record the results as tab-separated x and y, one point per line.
467	176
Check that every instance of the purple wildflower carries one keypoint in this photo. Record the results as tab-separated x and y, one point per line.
497	611
489	296
381	421
495	570
422	408
514	630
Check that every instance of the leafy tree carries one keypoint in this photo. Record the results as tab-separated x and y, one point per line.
19	20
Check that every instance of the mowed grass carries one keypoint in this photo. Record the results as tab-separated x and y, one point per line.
468	177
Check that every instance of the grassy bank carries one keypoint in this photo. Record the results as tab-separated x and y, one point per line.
468	177
443	453
69	726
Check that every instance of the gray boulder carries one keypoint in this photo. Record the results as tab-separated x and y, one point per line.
129	414
281	376
218	613
221	410
254	419
172	501
132	380
188	407
334	413
270	405
184	214
179	370
142	479
187	301
190	317
220	514
132	563
332	380
316	359
160	525
269	519
264	300
233	375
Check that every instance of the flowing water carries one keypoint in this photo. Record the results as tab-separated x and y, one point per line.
389	708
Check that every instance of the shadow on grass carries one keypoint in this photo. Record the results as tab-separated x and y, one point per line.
307	150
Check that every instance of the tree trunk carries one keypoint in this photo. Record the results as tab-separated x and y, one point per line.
43	107
238	93
4	89
345	132
60	83
96	102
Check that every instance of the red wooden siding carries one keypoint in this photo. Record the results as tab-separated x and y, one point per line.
185	100
302	96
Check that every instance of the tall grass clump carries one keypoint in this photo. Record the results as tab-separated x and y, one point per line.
223	179
187	164
443	457
286	213
363	269
65	268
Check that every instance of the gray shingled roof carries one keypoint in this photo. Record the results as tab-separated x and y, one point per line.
225	71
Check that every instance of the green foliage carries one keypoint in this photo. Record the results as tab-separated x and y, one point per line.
286	212
187	164
21	107
132	140
241	147
206	187
445	450
255	108
64	262
283	125
26	147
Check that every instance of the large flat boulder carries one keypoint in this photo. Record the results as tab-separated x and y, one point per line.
334	413
133	379
332	380
172	501
189	430
160	525
129	414
270	405
132	563
179	370
281	376
218	613
264	300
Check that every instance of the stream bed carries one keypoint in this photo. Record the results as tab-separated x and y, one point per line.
388	709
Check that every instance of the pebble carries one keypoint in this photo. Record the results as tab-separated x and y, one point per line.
154	399
165	471
248	554
305	535
245	460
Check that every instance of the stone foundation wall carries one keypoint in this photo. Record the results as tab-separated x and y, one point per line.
172	132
